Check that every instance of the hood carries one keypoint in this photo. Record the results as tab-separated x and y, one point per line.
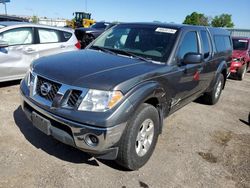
92	69
239	53
86	29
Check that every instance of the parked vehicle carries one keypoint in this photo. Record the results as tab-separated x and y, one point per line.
110	99
87	35
13	18
21	43
82	19
241	57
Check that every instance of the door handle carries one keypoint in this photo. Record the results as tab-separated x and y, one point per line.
63	46
29	50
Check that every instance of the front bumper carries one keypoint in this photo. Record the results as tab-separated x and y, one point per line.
76	134
235	66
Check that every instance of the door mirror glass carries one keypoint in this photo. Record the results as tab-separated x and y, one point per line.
192	58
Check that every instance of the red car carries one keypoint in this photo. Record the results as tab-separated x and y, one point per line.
241	57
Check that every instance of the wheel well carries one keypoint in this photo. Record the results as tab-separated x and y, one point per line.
153	101
224	73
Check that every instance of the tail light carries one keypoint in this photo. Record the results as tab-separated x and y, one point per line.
78	45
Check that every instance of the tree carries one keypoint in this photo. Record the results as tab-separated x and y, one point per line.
196	19
224	20
34	19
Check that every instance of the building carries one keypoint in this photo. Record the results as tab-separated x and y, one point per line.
240	32
52	22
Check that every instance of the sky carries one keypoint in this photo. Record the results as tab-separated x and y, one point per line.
133	10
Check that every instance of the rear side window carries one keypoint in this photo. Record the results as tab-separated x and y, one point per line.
222	43
17	36
205	44
189	44
48	35
65	36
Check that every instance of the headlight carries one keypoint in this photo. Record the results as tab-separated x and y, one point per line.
29	78
100	101
237	59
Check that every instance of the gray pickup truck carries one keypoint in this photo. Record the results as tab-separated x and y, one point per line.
110	99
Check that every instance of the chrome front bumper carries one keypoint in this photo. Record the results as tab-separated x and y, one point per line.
77	137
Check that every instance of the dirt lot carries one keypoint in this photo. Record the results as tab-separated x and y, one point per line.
201	146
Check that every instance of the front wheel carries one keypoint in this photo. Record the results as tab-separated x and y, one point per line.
139	139
242	71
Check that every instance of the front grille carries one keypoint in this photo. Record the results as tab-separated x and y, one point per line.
53	91
73	98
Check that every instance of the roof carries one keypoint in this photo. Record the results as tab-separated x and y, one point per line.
10	23
12	18
28	24
214	30
159	24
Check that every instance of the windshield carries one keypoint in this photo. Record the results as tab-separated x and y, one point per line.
150	42
82	15
240	44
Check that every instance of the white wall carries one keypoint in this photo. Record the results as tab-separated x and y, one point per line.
52	22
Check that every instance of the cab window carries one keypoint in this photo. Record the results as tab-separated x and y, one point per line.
188	44
222	43
18	36
205	44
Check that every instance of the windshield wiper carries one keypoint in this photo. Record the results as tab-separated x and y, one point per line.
102	49
130	54
118	51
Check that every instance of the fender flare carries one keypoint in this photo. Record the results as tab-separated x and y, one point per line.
149	90
222	69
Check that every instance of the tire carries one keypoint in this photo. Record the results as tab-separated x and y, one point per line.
142	128
213	96
242	71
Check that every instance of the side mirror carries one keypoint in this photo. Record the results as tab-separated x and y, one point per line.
192	58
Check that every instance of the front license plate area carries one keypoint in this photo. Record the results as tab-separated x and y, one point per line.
41	123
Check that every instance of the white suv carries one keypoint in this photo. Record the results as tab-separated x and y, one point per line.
21	43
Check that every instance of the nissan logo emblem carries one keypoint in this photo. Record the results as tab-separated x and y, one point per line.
45	88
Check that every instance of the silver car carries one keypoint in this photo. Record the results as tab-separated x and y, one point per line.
21	43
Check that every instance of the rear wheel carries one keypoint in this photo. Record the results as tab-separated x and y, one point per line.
213	96
139	139
242	71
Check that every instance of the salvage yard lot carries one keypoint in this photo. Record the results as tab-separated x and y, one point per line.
201	146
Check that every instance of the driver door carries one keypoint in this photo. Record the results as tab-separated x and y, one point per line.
188	79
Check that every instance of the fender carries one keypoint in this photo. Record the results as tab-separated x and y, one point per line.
150	90
222	68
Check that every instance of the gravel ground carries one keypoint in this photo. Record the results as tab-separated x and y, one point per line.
201	146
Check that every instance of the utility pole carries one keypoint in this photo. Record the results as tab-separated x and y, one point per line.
5	8
4	2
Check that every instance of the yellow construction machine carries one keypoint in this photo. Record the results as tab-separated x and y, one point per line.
82	19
